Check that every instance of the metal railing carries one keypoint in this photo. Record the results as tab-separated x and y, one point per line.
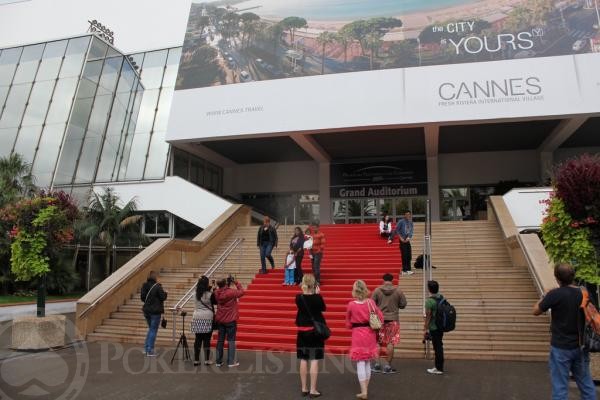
219	262
427	267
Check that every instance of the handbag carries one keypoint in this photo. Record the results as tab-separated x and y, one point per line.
374	321
321	328
308	243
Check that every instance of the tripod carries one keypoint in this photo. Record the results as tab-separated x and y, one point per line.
182	342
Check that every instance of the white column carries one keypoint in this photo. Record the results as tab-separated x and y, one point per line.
433	186
324	193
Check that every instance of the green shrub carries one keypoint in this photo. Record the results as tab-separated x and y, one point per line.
567	241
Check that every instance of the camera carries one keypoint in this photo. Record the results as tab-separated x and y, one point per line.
427	337
230	279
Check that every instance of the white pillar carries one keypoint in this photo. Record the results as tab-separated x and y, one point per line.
324	193
433	186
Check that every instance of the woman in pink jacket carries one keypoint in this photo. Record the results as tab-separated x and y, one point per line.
364	339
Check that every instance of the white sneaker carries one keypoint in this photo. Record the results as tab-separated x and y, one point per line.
435	371
235	364
409	272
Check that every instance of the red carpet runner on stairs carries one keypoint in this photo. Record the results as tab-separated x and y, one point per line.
268	310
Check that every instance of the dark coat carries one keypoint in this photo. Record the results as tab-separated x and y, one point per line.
272	236
153	300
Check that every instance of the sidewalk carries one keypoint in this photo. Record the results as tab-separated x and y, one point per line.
122	372
8	313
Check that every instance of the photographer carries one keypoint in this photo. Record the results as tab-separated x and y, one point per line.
153	297
226	317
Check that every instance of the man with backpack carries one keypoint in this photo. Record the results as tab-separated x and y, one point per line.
438	318
566	355
390	299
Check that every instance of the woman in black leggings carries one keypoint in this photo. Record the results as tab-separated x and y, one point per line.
202	320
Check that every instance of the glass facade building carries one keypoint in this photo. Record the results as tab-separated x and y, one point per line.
81	112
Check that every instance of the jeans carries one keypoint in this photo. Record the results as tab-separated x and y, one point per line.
265	252
577	362
289	276
298	274
229	329
202	340
438	348
153	320
406	252
316	266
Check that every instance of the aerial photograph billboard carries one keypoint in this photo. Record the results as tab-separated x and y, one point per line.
239	41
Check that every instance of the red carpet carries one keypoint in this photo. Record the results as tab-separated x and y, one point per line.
268	310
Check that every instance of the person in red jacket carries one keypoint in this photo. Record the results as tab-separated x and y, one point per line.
227	296
316	252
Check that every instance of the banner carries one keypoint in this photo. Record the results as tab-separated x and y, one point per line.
379	180
240	41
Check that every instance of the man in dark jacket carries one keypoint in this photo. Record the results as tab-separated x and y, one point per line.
390	299
153	297
266	240
226	317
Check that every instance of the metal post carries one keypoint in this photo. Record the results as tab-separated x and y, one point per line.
174	322
89	269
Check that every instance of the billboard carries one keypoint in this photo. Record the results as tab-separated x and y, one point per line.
239	41
268	66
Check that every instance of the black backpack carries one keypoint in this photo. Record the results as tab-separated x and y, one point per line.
445	316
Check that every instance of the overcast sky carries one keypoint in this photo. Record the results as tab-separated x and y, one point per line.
137	24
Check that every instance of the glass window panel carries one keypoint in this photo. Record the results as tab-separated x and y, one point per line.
137	58
27	142
79	117
8	64
153	68
112	52
164	108
339	209
87	89
62	99
99	116
3	95
180	165
97	49
51	60
157	156
28	64
38	103
110	75
112	143
147	109
68	159
137	157
15	105
162	223
45	159
88	158
127	79
172	67
7	139
197	175
74	57
369	208
150	223
354	208
92	70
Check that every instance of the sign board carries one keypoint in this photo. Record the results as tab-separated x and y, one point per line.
378	180
379	62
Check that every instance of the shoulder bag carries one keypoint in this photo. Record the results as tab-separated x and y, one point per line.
321	329
374	321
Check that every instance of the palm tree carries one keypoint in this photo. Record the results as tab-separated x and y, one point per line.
325	39
291	24
16	180
344	39
105	220
374	42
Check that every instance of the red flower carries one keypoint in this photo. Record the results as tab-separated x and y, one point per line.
575	224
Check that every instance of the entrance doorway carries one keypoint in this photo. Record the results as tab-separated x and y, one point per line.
368	211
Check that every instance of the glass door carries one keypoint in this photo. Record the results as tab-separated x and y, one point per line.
455	204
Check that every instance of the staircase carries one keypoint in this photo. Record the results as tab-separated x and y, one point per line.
127	324
493	298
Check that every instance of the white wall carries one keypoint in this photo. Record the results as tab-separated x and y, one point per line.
488	167
137	24
275	177
527	207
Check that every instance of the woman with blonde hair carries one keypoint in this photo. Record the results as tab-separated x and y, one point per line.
309	345
364	339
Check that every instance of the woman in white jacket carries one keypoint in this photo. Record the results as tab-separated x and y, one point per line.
385	227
